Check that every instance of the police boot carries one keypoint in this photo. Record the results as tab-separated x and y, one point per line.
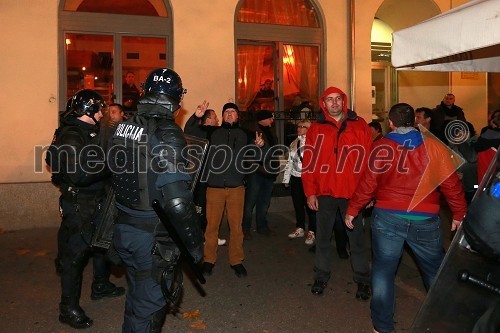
72	314
158	319
104	288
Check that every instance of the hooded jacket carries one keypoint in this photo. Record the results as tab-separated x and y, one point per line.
335	154
395	171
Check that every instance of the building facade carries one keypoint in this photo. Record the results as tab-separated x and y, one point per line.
205	42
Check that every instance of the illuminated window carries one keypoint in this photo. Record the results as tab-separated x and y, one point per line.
283	12
279	54
122	7
96	53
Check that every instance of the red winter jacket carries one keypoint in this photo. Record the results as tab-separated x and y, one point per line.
336	152
403	174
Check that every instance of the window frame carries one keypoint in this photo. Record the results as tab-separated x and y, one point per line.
246	33
114	25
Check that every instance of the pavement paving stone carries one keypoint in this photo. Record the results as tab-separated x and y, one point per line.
274	297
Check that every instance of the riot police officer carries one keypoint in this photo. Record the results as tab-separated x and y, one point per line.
147	164
77	163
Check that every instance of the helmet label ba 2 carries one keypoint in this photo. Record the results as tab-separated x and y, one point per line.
158	78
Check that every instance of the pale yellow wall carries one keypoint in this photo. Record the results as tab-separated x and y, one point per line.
470	94
365	13
28	85
337	49
203	56
422	89
204	52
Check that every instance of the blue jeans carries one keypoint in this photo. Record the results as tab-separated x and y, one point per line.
389	233
258	193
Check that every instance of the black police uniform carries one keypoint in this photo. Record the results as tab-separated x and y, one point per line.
71	157
147	164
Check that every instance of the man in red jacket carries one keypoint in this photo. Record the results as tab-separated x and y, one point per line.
406	206
337	147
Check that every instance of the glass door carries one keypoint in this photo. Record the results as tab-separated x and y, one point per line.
276	76
279	77
112	65
89	64
256	81
300	79
383	95
140	55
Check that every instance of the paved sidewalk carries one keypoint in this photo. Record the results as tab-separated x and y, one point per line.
275	297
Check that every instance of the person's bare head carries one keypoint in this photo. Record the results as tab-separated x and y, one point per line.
116	113
376	129
449	100
401	115
423	117
495	119
130	78
267	84
303	126
210	118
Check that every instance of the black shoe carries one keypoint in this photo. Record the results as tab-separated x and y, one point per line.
207	268
364	292
343	254
105	289
247	235
239	270
318	287
74	316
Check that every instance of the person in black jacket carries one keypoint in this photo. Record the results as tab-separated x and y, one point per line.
74	157
202	123
261	181
225	174
447	110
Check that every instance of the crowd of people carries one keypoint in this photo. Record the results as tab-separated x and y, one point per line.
334	171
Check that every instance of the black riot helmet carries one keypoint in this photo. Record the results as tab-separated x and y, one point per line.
84	102
163	87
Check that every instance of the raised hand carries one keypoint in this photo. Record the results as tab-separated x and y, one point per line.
200	110
259	141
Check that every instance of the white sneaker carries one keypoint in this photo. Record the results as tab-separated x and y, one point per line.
310	238
299	232
221	241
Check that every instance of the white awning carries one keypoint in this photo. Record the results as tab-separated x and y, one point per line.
464	39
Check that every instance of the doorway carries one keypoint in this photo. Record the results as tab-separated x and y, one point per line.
384	92
276	76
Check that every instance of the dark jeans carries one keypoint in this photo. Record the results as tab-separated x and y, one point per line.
389	233
339	230
258	193
327	212
300	205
